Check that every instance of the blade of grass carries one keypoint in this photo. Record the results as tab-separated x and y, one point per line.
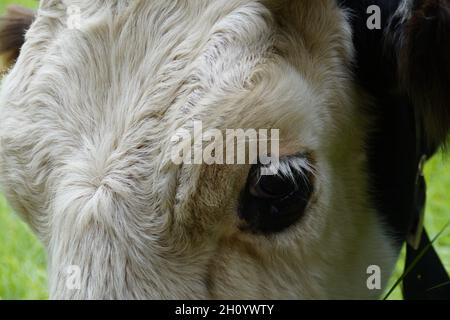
439	286
416	260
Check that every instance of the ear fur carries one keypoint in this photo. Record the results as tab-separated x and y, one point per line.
423	48
12	32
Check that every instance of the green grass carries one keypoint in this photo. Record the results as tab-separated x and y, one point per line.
23	261
27	3
437	172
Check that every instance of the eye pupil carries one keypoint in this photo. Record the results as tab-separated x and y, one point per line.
274	210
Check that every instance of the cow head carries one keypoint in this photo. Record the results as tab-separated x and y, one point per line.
88	116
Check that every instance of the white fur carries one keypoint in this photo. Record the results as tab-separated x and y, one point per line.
85	127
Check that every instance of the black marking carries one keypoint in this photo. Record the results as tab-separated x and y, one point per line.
392	146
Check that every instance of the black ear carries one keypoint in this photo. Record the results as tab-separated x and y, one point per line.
12	31
423	59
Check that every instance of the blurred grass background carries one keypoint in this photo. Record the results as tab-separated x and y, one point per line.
27	3
23	260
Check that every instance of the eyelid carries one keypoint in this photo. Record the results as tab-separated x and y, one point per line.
291	170
297	165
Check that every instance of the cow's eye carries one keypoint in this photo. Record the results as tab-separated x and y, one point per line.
272	203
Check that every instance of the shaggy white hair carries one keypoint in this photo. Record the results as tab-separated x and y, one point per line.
85	127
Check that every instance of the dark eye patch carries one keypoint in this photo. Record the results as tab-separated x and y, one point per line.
272	203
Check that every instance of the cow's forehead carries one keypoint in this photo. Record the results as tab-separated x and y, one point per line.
230	68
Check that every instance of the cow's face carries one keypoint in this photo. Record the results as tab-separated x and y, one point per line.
88	119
